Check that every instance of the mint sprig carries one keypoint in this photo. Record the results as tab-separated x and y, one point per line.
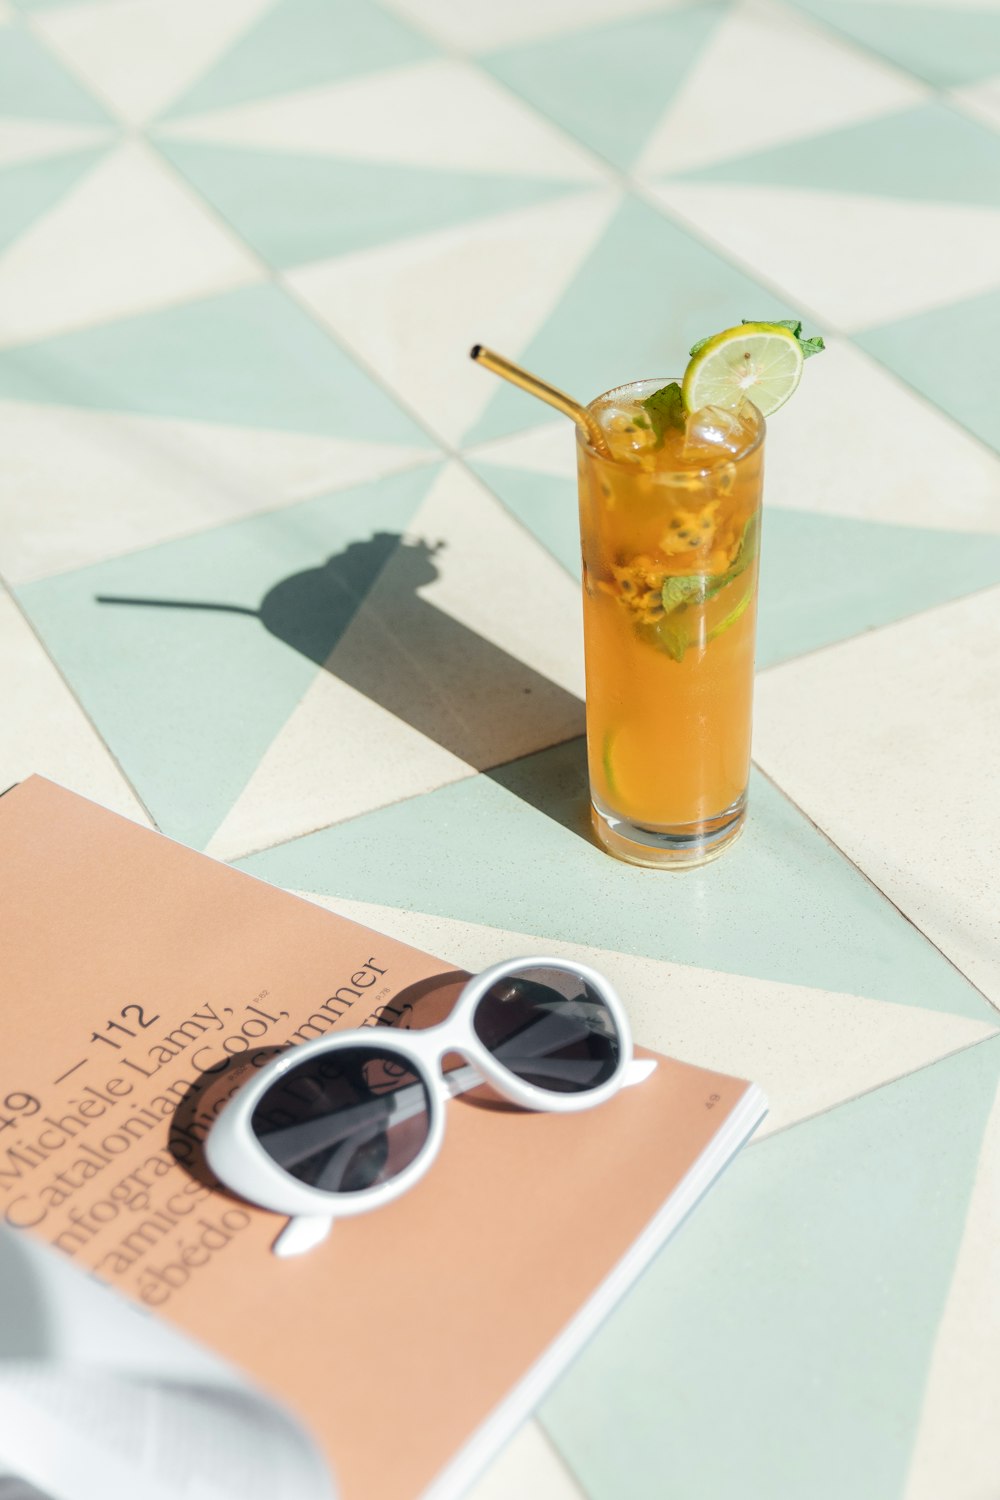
665	409
794	326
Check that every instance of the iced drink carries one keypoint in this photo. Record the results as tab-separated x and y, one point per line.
670	530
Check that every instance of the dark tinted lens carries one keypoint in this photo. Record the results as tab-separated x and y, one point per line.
345	1120
550	1028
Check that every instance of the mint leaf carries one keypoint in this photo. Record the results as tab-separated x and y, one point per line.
640	422
673	639
747	549
794	325
665	409
699	588
683	589
731	618
699	346
808	346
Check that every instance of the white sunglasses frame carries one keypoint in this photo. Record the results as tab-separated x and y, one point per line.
237	1159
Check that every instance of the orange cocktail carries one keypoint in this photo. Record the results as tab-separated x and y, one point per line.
670	527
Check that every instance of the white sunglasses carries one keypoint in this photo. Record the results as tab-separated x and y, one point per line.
348	1122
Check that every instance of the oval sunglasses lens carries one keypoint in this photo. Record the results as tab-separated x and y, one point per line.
346	1120
550	1028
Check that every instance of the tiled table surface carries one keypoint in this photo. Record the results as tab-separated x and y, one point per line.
244	247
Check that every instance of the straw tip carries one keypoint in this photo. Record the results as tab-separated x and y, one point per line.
475	351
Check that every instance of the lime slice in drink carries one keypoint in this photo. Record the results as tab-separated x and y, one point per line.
759	361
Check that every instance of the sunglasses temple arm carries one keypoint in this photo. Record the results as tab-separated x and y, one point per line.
638	1070
461	1080
301	1234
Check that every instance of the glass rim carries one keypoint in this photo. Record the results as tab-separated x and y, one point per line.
583	441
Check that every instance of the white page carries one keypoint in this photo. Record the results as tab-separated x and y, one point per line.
99	1401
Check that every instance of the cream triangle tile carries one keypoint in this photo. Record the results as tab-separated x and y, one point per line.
127	238
43	729
767	76
808	1049
528	1467
480	27
888	743
338	755
413	310
77	485
139	55
856	259
957	1449
496	581
858	443
32	140
550	449
442	113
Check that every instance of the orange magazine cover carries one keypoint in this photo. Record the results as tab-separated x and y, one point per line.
140	984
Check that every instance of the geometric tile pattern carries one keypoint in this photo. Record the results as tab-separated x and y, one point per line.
285	575
635	90
942	43
926	681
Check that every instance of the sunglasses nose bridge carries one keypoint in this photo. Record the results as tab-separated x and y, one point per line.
454	1034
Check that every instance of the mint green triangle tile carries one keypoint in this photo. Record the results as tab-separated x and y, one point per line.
34	86
189	698
794	1315
949	355
300	43
294	209
644	295
931	154
945	44
543	503
30	188
251	357
823	578
610	85
511	850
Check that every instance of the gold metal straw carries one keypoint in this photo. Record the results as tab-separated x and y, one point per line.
545	392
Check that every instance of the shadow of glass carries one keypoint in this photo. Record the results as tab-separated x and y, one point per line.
416	661
555	782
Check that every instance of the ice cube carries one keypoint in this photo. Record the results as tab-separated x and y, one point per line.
714	430
627	428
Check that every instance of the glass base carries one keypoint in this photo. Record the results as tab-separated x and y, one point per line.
681	847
